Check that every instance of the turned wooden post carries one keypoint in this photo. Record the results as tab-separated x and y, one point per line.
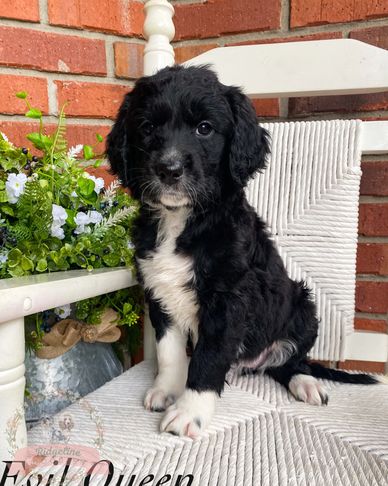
159	31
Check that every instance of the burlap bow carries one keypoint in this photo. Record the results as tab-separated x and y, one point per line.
68	332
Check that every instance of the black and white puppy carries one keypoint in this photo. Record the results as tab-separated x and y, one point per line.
186	146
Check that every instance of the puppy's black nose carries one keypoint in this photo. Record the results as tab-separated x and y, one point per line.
168	172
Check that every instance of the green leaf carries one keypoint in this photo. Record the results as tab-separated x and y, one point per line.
34	113
8	210
119	231
97	163
43	183
127	308
79	246
14	257
41	142
3	197
70	218
111	260
88	152
86	186
80	260
17	272
22	95
99	137
91	199
42	265
27	264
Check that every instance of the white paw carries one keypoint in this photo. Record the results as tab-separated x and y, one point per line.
158	400
190	415
307	389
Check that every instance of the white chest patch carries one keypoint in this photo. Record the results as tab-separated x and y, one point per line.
168	275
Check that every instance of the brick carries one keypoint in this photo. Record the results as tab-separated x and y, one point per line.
298	38
366	366
75	134
92	100
114	16
336	104
128	60
373	219
86	134
35	87
374	180
319	12
373	325
216	17
372	296
377	36
372	258
20	10
51	52
266	107
184	53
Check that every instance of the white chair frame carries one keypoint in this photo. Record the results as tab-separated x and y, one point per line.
291	69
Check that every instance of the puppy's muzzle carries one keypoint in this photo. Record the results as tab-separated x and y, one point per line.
169	172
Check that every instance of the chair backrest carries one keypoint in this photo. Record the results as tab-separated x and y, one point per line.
308	195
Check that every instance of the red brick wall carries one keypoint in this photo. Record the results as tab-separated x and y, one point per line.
89	53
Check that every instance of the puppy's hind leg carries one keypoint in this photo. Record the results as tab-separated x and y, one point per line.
296	377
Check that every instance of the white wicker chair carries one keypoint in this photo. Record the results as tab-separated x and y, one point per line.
291	69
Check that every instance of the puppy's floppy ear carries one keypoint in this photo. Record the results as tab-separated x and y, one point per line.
250	143
117	148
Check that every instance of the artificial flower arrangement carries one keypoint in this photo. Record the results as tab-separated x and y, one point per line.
55	216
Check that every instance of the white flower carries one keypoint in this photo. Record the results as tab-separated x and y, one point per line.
3	257
59	219
74	194
98	182
59	215
63	311
130	245
74	151
57	231
15	186
81	220
94	217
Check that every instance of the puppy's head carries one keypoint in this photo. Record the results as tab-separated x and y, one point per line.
183	139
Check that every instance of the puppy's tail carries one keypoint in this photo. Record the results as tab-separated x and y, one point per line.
320	371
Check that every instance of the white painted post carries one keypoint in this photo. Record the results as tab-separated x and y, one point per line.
159	30
13	435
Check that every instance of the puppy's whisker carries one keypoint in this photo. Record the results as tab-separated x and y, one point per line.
139	148
152	188
190	193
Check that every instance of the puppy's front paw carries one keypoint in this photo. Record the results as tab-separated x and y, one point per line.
190	415
157	399
308	389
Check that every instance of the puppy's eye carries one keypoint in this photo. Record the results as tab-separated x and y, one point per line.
147	127
204	129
